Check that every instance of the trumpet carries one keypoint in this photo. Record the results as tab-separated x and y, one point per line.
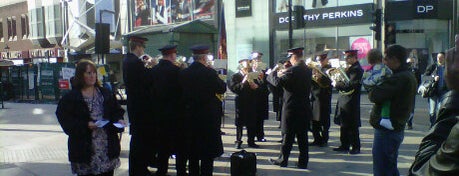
338	75
316	68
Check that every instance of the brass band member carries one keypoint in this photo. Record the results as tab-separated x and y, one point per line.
296	111
166	95
244	86
200	83
321	104
262	94
141	149
348	106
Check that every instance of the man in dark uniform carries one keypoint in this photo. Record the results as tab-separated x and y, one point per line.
321	105
141	150
348	106
166	95
262	93
245	100
296	111
200	84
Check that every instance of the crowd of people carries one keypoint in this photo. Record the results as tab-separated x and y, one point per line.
175	110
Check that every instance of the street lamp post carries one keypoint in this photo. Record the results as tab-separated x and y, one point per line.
7	50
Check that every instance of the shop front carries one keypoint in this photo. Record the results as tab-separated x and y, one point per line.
423	27
328	29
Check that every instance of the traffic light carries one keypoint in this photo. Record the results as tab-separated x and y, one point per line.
377	18
389	33
299	16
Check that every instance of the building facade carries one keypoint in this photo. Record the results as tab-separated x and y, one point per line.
424	27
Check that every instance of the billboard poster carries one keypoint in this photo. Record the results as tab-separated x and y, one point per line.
141	13
204	9
363	44
159	12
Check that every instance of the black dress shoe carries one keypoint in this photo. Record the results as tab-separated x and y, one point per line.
238	145
261	140
278	162
354	151
341	149
323	144
302	166
280	141
314	143
253	145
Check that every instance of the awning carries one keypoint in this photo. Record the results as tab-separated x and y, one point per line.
6	62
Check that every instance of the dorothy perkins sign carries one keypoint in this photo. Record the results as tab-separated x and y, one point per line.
330	16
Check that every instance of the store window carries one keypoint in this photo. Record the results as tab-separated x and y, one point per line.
24	26
13	28
423	38
331	40
10	30
1	31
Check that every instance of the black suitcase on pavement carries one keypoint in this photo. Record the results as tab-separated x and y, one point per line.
243	163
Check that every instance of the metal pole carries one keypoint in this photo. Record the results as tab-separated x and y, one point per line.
290	25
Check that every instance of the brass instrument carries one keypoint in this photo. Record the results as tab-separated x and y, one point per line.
316	69
338	75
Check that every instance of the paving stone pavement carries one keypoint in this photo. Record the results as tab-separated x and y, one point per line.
33	144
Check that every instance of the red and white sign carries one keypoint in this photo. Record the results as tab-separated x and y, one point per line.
64	84
363	44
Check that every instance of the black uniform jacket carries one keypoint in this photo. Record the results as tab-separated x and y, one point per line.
400	90
246	101
348	114
200	85
262	97
138	106
166	96
438	152
321	104
296	109
73	115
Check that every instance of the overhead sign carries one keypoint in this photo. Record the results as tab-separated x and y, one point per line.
344	15
426	8
243	8
420	9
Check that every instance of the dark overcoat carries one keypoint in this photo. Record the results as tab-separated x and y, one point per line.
73	115
277	93
138	106
296	109
245	100
200	85
321	104
348	106
166	96
262	93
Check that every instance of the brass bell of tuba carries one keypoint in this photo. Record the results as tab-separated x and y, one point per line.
316	68
338	75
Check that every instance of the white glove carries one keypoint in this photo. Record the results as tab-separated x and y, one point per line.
386	123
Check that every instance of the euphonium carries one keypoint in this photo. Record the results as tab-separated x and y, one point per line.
315	66
338	75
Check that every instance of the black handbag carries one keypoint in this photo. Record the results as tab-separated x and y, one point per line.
428	88
243	163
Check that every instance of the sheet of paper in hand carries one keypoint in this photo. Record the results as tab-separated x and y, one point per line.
101	123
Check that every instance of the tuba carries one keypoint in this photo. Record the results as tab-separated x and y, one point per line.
338	75
316	68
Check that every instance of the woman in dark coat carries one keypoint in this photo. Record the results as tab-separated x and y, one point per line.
246	108
88	115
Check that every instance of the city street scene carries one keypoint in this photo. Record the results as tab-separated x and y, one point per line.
228	87
33	144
